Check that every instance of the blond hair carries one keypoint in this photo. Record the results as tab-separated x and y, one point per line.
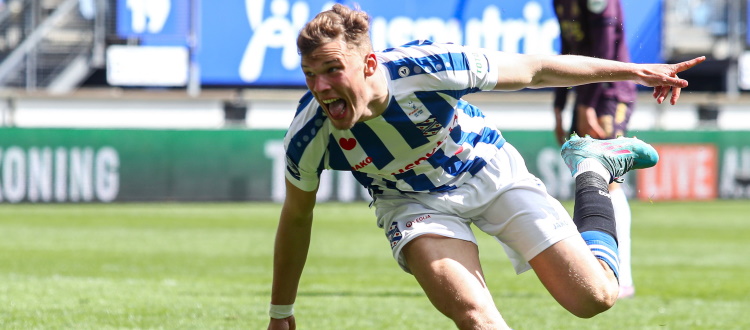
339	23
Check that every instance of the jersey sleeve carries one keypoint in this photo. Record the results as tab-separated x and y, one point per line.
305	144
483	67
472	69
299	177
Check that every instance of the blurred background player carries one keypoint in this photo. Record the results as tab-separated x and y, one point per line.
595	28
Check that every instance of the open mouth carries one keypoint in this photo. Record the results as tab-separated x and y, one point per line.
336	108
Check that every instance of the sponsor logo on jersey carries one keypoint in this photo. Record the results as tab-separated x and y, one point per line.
419	161
478	64
347	144
362	164
416	109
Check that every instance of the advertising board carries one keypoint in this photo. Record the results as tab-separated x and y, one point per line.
252	42
95	165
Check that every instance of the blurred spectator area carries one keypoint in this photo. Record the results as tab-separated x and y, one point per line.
50	44
696	27
714	28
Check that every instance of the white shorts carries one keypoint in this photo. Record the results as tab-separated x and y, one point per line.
503	200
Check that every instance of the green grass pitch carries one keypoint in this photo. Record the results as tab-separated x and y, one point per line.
208	266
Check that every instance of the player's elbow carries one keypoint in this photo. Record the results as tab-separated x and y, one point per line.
519	71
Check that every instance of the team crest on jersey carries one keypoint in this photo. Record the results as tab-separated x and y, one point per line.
430	126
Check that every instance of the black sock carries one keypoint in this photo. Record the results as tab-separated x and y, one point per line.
593	209
595	217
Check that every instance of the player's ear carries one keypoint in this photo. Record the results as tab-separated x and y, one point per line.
371	64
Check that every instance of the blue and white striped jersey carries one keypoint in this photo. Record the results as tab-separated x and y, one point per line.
428	138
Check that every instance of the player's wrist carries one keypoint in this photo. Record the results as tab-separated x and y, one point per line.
281	311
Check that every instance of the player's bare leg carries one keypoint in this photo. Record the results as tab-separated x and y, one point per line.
450	274
567	268
581	283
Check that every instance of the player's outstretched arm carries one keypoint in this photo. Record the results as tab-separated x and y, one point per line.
290	250
518	71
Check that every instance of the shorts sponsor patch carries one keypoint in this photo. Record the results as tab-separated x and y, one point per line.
418	220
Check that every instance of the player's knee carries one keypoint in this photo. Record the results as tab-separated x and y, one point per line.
599	302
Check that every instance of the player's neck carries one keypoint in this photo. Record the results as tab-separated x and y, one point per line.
380	93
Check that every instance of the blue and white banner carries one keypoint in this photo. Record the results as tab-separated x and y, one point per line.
262	50
252	42
154	22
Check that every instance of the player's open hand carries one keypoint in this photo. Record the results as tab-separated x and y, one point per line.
663	78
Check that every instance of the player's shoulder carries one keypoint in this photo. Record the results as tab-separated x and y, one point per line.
419	48
306	101
308	106
309	112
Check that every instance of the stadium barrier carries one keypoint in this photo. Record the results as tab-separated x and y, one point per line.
98	165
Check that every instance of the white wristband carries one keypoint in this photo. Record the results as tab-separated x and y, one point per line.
281	311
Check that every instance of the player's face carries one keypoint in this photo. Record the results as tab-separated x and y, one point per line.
335	75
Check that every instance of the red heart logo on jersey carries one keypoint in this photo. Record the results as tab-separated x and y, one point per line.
347	144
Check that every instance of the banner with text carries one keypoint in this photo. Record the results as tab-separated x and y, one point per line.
92	165
253	42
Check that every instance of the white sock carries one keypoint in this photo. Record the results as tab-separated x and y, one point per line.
591	164
623	222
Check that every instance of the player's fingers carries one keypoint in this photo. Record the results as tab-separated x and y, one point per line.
682	66
665	92
658	91
676	82
675	95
